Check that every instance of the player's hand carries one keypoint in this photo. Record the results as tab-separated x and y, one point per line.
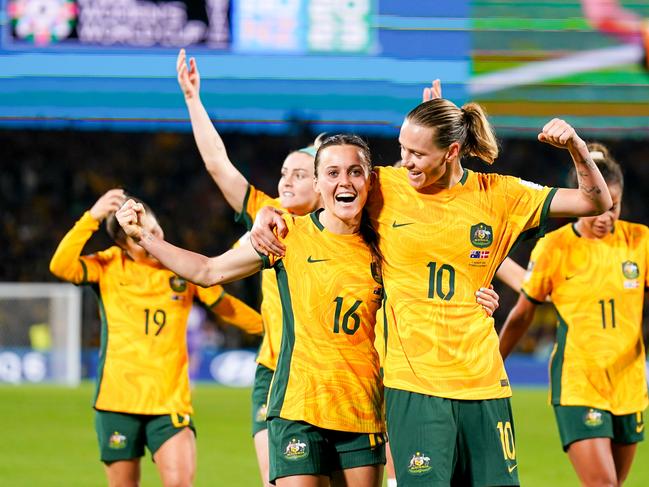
262	235
560	133
188	79
488	299
129	216
433	92
108	203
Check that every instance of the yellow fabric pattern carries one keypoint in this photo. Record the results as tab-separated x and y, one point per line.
438	250
271	307
144	310
328	371
597	287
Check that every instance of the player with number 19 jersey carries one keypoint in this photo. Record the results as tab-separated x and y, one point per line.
143	362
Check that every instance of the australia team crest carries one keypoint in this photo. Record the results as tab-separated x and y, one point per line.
593	418
419	463
177	284
481	235
117	441
296	450
630	269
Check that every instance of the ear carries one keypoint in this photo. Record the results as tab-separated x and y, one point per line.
453	152
316	188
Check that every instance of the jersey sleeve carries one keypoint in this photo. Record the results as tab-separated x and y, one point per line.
67	262
529	206
254	201
537	283
232	310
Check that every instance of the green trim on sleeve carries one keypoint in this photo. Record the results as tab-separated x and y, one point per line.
530	298
545	212
464	177
84	279
265	260
243	216
218	300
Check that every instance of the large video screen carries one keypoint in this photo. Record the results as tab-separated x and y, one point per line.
355	65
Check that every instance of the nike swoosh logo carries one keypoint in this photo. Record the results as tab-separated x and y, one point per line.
570	277
639	428
311	260
397	225
512	468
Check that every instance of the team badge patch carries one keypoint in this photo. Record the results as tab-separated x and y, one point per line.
630	269
419	463
117	441
296	450
177	284
260	416
481	235
593	418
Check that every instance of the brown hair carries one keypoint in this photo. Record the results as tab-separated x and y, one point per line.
367	231
114	229
606	163
467	125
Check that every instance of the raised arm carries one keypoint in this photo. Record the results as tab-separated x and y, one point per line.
230	181
592	196
204	271
517	323
66	262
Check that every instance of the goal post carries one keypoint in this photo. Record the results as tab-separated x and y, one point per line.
40	333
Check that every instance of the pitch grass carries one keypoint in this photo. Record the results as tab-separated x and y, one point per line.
48	439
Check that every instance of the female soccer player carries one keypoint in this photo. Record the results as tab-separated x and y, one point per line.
325	405
595	270
296	195
443	232
143	396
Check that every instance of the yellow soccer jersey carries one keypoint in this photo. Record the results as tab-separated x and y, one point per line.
144	309
271	308
597	287
438	250
328	369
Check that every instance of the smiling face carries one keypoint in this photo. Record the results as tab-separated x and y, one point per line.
343	181
295	185
600	226
426	163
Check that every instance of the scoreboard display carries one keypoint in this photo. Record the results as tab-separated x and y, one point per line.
344	65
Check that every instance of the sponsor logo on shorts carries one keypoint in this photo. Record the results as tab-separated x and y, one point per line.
593	418
511	468
419	463
481	235
117	441
261	413
296	450
630	269
177	284
639	423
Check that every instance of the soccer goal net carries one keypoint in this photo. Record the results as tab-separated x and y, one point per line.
40	333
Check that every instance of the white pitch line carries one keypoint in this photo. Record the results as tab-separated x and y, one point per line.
544	70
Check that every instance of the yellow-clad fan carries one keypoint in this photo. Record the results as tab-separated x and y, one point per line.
596	272
296	195
143	396
443	231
